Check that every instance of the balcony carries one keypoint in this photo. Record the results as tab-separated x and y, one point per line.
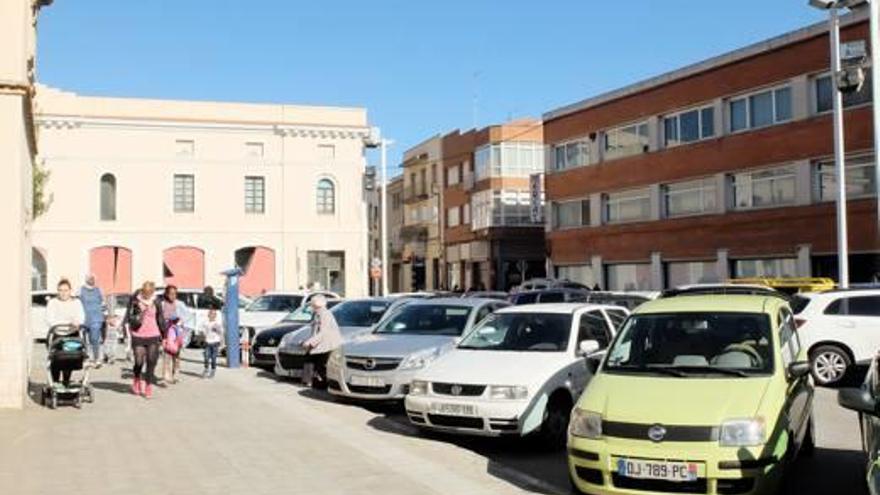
414	233
415	194
467	182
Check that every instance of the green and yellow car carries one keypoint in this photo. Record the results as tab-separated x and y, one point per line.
702	394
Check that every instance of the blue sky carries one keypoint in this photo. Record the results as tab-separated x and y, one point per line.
416	65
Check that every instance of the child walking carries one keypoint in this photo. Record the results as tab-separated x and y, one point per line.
212	329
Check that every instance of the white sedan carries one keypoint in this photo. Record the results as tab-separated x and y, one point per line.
518	372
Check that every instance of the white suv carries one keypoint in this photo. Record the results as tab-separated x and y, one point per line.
839	328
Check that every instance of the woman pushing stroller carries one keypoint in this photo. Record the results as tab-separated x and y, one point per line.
147	328
64	310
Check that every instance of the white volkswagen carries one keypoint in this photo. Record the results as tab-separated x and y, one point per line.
518	372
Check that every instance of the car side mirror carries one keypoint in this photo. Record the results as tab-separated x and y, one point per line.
799	369
588	347
857	400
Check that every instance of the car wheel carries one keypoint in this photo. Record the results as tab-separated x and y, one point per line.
554	427
829	364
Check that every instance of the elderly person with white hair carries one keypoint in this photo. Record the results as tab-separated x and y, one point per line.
325	338
93	305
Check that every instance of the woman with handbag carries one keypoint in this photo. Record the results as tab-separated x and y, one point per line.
325	338
147	328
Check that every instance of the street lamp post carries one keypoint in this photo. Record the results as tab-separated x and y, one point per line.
874	38
383	213
839	153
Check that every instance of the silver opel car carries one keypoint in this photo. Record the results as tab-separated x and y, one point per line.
355	318
380	365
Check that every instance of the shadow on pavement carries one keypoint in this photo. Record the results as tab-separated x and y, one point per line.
120	388
518	461
830	471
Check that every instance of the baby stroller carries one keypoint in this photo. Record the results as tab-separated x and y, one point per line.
67	353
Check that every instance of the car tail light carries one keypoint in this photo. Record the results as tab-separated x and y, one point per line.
799	322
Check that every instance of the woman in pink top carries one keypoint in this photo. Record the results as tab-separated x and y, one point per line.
147	328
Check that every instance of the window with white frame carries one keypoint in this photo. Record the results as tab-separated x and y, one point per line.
691	272
823	94
501	208
452	219
859	178
571	154
184	147
690	198
629	276
627	140
772	187
689	126
184	193
628	206
768	267
253	150
453	175
254	195
508	159
761	109
466	213
571	214
326	197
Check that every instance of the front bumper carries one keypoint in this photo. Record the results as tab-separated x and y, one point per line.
289	364
490	418
260	358
720	470
394	383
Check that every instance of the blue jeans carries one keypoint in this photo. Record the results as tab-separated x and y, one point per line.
94	338
211	356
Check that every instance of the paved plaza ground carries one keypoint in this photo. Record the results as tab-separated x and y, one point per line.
244	432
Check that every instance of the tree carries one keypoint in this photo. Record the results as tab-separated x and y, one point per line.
41	200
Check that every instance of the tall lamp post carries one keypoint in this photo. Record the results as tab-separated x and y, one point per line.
375	140
846	79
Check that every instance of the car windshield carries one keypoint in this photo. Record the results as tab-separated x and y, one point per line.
276	302
693	344
539	332
359	313
427	319
301	315
527	298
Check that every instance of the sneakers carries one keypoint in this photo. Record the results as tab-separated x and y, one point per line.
148	391
213	371
136	386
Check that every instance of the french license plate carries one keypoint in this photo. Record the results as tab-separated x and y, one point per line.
267	350
455	409
366	381
657	470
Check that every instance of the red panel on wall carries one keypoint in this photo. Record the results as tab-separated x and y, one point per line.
112	268
258	264
184	266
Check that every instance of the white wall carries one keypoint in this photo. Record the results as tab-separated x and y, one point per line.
81	138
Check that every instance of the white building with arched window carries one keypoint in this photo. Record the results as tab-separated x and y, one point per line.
177	191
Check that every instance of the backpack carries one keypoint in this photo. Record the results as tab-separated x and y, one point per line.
135	316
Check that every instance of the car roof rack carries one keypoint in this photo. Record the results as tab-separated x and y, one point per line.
723	289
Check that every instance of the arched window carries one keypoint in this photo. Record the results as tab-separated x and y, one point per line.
108	197
38	270
326	196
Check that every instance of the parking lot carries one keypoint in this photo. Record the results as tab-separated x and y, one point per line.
246	432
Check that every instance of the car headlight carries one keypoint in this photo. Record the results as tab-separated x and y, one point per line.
420	360
335	358
585	424
509	392
742	432
418	387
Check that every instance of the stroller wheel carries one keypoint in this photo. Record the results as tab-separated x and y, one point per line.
44	397
89	395
53	401
77	403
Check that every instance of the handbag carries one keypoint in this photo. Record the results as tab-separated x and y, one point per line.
171	343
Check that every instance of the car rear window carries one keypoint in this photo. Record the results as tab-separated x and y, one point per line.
855	306
799	304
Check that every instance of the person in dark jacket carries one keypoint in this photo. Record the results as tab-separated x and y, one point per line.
211	301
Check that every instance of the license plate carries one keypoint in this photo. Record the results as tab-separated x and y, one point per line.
455	409
267	350
657	470
366	381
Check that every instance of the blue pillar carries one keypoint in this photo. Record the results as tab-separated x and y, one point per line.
230	317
